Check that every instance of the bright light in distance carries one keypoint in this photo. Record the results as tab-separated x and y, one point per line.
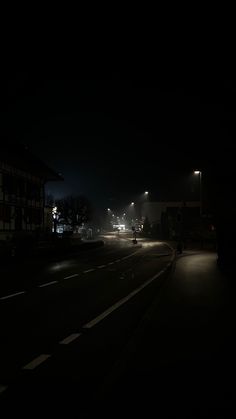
108	209
119	226
146	192
124	214
197	172
132	203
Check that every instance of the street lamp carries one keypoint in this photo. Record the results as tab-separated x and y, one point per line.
198	172
146	192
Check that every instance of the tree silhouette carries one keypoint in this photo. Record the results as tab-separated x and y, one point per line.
74	210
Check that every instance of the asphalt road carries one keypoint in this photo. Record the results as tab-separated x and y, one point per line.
180	361
65	323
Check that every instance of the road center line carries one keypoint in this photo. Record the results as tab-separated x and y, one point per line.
122	301
71	276
70	338
89	270
129	256
36	362
12	295
47	284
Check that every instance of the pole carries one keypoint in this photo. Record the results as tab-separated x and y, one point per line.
200	180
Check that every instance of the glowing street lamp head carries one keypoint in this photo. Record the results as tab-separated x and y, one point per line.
197	172
146	192
132	203
108	209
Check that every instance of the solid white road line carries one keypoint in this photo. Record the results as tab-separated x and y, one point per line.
70	338
47	284
36	362
89	270
12	295
2	388
71	276
122	301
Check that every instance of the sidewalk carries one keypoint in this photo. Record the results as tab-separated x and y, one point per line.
180	362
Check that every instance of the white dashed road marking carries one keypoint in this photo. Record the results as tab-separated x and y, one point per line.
101	266
36	362
70	338
47	284
129	256
89	270
71	276
12	295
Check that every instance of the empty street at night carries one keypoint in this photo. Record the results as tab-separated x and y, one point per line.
118	322
117	233
48	307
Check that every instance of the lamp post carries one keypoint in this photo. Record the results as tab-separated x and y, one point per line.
143	200
198	172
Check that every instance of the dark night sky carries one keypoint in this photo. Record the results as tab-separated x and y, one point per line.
113	132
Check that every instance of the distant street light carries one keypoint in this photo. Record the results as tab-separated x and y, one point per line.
132	203
146	192
198	172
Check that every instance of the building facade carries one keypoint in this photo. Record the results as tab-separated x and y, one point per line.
173	219
155	210
22	194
